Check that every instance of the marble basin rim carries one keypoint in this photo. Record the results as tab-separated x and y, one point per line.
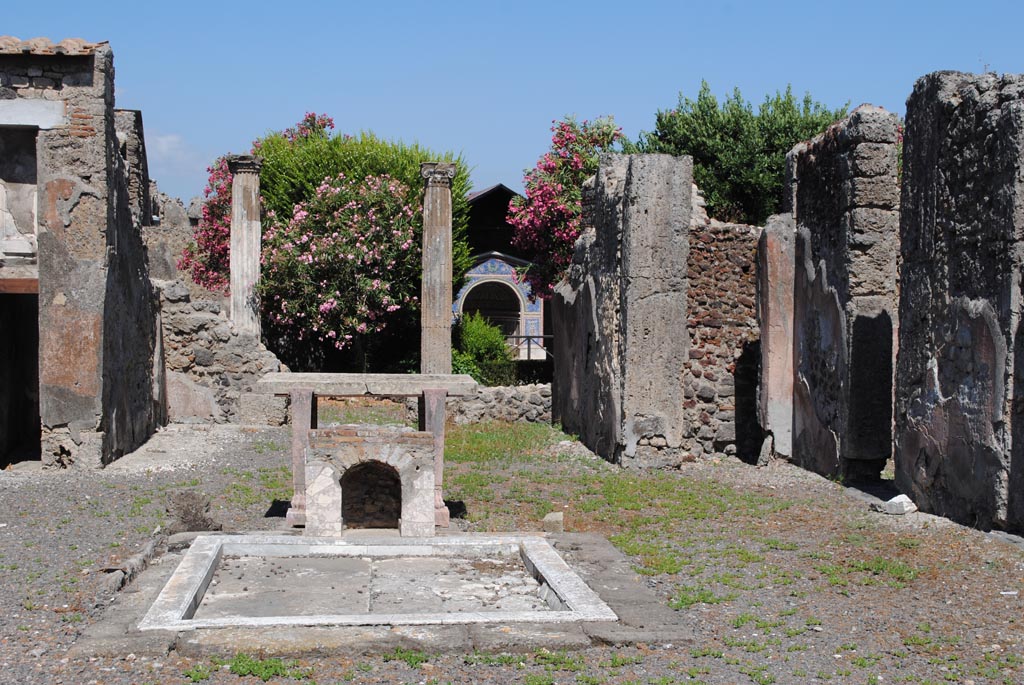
568	597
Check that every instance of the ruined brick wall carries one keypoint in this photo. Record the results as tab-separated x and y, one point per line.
722	364
517	403
622	340
846	200
166	238
131	140
134	401
209	364
98	343
958	378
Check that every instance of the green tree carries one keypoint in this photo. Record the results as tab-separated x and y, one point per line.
739	155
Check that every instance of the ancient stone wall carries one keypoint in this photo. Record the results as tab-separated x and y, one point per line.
845	205
210	365
959	435
723	360
515	403
131	140
134	393
622	338
97	332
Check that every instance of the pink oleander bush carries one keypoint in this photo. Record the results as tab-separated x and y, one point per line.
207	258
343	264
546	221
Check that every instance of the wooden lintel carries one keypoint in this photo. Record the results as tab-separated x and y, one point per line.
19	286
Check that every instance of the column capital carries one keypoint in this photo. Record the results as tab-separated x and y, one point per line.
242	164
438	173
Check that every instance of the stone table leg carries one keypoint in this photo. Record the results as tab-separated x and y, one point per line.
303	418
432	416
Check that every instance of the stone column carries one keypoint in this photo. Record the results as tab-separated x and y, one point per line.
436	293
246	234
303	419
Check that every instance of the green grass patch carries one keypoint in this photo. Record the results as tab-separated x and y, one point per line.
686	597
244	665
411	657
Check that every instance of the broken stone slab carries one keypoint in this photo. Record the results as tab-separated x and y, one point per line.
897	506
189	401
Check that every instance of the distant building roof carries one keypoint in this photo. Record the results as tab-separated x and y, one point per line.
498	189
10	45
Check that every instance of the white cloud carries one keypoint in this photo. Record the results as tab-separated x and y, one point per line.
177	167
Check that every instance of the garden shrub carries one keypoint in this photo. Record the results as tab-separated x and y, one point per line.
479	349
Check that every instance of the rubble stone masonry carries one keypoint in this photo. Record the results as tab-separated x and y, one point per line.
721	366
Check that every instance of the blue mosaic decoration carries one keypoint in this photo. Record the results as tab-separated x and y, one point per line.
495	269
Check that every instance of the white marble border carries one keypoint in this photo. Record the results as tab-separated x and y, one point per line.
570	598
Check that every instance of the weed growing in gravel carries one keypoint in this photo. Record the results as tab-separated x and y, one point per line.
686	597
411	657
264	446
558	661
243	665
493	659
533	679
619	660
198	673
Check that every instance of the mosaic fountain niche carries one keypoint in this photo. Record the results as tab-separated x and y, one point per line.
369	555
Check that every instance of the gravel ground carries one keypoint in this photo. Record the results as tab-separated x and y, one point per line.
788	577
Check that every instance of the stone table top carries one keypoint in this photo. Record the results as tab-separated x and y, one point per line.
355	384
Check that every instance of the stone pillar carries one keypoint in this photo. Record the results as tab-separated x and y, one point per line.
846	208
436	293
303	419
246	239
432	420
959	382
621	339
775	265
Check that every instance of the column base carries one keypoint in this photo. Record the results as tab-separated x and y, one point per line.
295	517
442	517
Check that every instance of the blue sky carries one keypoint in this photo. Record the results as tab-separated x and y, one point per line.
487	78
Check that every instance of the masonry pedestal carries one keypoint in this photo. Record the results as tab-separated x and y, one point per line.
303	418
432	417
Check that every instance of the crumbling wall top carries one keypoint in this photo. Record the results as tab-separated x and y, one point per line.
11	45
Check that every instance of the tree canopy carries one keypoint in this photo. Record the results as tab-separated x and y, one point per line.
739	155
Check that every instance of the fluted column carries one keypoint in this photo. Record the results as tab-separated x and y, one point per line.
436	293
246	239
